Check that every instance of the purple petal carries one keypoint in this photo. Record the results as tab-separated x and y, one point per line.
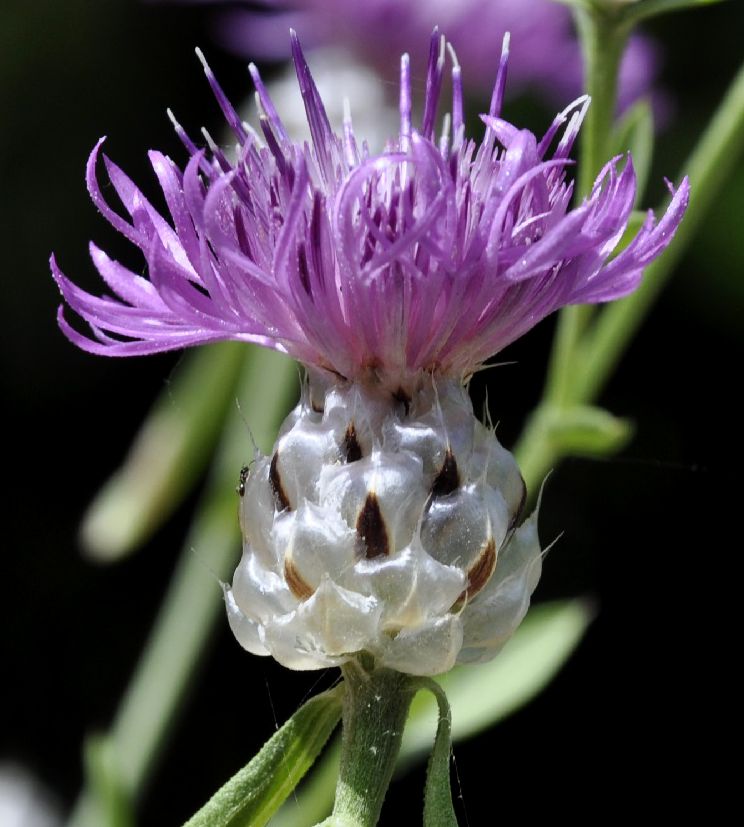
429	257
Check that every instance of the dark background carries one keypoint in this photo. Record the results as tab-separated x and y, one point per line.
644	533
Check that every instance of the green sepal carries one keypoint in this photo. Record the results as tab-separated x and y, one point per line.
253	795
635	134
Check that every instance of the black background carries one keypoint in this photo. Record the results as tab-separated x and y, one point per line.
645	533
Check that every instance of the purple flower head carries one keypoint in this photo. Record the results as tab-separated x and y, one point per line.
429	257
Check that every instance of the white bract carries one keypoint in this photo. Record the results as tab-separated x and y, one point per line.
383	525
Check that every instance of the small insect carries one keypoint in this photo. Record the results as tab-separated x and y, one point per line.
243	477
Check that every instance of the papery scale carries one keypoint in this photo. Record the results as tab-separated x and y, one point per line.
386	527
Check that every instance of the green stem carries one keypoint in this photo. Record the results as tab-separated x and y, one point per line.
708	167
603	41
375	710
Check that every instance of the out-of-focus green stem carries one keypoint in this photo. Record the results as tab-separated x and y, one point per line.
603	39
708	168
168	454
536	452
193	601
595	357
602	43
572	322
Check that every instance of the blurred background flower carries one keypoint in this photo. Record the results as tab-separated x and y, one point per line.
545	52
634	527
23	801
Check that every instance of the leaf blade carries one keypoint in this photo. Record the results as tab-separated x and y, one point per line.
438	808
169	452
253	794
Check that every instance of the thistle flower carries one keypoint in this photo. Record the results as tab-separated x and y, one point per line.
386	518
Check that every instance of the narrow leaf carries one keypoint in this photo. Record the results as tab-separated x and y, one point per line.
438	808
587	431
635	222
579	4
194	603
252	796
168	454
313	801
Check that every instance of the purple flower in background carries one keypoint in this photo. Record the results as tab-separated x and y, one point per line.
546	53
428	257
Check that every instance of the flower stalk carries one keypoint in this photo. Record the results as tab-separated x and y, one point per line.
375	709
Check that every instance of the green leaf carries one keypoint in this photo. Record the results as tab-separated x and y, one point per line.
587	431
633	13
168	454
438	809
313	801
635	134
484	694
251	797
